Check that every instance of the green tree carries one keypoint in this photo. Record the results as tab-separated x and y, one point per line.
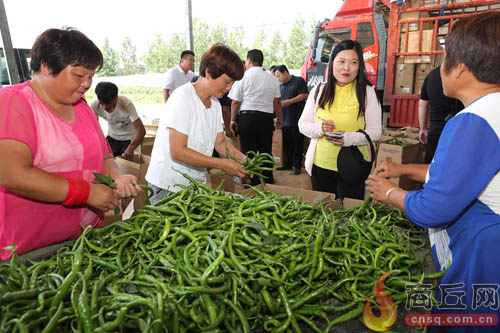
128	58
218	34
297	45
276	51
176	44
202	40
156	59
111	61
235	41
259	40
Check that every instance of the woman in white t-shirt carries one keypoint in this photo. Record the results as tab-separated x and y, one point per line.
191	126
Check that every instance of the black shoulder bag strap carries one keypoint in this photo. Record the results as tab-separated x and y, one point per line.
372	148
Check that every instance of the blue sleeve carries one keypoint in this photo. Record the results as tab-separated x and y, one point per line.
467	157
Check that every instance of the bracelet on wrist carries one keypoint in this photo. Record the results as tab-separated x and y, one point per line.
78	192
233	121
389	191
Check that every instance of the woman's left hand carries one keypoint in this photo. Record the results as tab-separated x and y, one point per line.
378	187
127	186
337	142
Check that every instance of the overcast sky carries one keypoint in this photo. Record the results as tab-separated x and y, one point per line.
141	20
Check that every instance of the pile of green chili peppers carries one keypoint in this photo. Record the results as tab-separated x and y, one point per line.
200	260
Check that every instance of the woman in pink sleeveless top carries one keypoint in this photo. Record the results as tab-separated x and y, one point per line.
50	146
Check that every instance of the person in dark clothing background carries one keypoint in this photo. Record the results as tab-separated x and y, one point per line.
293	96
253	100
442	108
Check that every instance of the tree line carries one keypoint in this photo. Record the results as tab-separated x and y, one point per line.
163	54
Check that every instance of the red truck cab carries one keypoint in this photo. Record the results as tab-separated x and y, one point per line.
362	20
402	41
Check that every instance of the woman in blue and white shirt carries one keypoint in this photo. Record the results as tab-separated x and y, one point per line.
460	199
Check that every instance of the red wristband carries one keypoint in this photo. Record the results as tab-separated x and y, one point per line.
78	192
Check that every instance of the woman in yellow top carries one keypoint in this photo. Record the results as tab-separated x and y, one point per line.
345	104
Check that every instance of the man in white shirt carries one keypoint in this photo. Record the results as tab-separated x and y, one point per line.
254	99
179	75
125	128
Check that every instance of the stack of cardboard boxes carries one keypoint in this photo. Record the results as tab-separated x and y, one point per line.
408	150
411	70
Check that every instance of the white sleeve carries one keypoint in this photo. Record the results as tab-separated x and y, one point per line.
130	107
236	94
94	105
277	91
169	80
178	113
307	122
220	120
373	120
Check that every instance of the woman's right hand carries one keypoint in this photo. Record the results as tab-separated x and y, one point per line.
233	168
102	197
388	170
327	126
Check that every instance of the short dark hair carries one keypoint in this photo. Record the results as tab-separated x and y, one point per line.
106	92
281	69
58	48
328	94
185	53
474	42
256	56
272	68
220	60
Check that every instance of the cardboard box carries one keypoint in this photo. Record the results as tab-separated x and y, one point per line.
235	141
216	176
444	29
412	4
343	204
228	185
403	83
408	154
277	148
147	145
151	129
419	59
395	133
110	217
413	39
415	26
129	167
438	60
307	196
421	72
431	3
137	167
140	201
426	41
410	132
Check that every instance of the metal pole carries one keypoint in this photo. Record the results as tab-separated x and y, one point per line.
7	46
189	12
